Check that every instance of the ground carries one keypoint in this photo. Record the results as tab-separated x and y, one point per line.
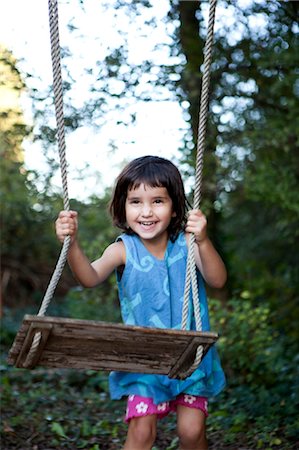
47	409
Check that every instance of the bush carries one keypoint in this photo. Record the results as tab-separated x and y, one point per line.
261	364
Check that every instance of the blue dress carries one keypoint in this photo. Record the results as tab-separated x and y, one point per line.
151	293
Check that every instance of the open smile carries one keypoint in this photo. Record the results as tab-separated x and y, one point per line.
147	224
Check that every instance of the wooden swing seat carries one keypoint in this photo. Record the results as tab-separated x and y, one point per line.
89	344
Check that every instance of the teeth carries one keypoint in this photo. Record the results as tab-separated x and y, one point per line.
147	223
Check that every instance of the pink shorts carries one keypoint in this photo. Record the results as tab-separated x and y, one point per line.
138	406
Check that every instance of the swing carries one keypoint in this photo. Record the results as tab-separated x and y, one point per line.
86	344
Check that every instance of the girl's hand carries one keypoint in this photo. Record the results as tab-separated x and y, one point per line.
197	224
67	225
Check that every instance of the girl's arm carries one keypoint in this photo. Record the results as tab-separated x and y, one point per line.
207	258
88	274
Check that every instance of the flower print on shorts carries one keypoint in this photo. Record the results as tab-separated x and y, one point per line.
138	406
141	408
189	399
163	406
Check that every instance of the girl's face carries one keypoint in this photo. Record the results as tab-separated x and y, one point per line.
149	211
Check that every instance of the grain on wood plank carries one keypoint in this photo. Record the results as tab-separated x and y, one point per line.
84	344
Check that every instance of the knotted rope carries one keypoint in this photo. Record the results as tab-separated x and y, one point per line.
191	275
58	100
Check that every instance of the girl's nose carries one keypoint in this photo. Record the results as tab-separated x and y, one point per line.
147	211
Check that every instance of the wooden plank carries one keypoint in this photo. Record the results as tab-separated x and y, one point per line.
85	344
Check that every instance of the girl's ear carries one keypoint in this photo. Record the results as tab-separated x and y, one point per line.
174	214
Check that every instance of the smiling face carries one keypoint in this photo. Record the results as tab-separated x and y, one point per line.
149	211
148	173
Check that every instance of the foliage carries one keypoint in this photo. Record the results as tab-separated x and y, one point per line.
251	164
25	214
12	126
264	198
253	351
261	365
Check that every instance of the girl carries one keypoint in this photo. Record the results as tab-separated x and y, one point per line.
149	258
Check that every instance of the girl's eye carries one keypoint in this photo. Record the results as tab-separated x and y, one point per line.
158	200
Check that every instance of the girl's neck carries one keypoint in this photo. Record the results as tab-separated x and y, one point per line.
157	247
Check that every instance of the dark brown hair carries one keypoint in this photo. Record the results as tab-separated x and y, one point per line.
155	172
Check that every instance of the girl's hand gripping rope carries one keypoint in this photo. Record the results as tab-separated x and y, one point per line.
197	224
67	225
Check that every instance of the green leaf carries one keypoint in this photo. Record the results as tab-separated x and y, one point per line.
58	429
276	441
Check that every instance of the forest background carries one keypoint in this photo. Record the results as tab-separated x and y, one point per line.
250	195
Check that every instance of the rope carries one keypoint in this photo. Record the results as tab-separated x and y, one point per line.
191	275
58	100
